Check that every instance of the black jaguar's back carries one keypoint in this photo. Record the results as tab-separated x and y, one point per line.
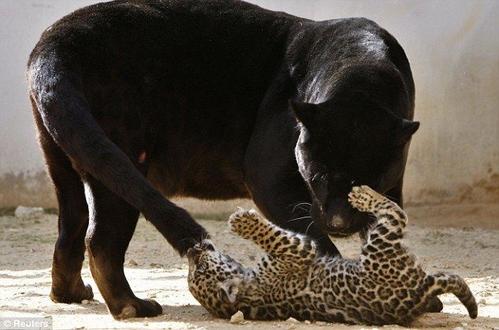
199	70
141	99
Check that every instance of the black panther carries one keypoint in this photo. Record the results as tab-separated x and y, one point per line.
137	101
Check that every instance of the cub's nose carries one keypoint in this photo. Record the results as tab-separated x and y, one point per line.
207	245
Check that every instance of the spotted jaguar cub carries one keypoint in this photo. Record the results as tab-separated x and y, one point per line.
384	286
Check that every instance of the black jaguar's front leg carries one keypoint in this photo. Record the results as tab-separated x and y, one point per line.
285	201
270	167
280	194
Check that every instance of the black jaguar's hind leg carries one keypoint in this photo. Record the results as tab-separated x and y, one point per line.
112	223
67	285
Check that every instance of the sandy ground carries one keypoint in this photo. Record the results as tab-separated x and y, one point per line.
462	238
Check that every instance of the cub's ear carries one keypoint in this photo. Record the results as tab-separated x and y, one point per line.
306	113
406	130
228	291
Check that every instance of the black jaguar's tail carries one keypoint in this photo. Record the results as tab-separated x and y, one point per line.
58	96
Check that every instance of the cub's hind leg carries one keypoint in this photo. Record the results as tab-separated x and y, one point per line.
67	285
386	233
274	240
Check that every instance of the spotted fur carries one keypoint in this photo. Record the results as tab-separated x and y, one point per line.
385	285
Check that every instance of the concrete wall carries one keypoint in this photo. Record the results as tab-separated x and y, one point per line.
453	48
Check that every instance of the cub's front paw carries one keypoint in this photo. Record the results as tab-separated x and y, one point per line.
244	222
364	198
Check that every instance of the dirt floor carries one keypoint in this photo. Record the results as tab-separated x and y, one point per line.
461	238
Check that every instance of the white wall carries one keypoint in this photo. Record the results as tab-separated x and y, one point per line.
453	47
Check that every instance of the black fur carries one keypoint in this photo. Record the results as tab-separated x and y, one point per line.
144	99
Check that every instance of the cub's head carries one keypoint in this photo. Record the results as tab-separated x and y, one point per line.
214	278
351	139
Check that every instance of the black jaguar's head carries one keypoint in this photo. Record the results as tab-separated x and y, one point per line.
347	143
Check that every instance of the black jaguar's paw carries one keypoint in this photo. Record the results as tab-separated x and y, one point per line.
139	308
184	238
76	295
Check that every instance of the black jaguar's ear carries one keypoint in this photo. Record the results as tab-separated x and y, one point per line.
306	113
406	130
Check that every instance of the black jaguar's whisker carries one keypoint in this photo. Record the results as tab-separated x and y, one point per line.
308	227
302	206
300	218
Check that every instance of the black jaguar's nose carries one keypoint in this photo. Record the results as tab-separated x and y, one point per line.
337	223
338	226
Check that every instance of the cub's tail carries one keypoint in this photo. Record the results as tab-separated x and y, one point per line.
448	283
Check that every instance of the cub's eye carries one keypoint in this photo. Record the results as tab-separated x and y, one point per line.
201	268
207	246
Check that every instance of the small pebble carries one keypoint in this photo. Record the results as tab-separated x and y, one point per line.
292	319
26	212
155	265
85	302
237	318
132	262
